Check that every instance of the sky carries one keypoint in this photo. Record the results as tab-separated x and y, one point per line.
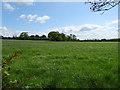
66	17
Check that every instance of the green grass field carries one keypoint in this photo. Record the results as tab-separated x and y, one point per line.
45	64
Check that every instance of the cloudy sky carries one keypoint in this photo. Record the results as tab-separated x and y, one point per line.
67	17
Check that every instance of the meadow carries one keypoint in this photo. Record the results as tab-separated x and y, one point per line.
47	64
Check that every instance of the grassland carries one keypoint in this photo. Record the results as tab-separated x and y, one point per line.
45	64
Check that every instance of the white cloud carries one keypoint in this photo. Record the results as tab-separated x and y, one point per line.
22	2
31	17
4	31
35	18
85	27
113	22
98	34
22	16
42	19
8	7
39	33
90	31
18	32
85	31
30	20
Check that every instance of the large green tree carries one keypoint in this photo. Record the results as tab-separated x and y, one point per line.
56	36
53	35
24	35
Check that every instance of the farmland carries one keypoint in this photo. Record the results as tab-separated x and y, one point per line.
47	64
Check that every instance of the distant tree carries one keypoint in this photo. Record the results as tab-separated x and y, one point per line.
69	38
59	37
1	37
102	5
32	37
63	36
103	39
37	36
14	36
73	37
53	35
43	37
24	35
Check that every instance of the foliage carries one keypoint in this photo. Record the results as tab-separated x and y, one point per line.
43	37
24	35
53	35
6	67
56	36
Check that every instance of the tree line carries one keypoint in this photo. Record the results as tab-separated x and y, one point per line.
101	40
56	36
52	36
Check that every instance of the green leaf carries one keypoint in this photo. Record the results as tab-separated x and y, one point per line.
6	73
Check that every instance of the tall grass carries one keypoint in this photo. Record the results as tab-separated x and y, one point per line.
45	64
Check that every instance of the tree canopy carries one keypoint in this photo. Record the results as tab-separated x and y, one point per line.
56	36
24	35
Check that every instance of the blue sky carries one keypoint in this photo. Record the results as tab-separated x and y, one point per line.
68	17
